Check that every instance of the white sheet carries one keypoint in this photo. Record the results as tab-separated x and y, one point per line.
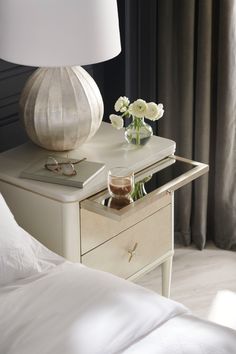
76	310
186	334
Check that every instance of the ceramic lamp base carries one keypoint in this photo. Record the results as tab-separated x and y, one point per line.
61	108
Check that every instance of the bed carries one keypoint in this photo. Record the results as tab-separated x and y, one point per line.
51	306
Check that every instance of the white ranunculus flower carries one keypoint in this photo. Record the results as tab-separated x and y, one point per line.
116	121
123	109
154	111
138	108
121	104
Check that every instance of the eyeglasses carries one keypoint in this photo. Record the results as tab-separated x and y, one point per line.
63	168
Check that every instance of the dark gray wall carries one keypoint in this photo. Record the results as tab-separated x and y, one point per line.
12	80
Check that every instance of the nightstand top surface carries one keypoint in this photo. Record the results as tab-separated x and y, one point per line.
107	146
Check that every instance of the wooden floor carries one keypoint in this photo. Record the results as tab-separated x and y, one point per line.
197	277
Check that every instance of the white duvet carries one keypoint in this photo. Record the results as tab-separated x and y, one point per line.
51	306
71	309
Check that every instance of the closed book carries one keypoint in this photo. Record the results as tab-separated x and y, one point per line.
85	171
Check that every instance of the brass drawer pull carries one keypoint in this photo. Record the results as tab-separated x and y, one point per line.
132	252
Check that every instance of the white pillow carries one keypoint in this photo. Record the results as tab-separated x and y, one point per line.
18	250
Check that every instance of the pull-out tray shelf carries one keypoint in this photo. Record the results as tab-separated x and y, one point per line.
152	183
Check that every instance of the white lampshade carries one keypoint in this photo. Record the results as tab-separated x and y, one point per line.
52	33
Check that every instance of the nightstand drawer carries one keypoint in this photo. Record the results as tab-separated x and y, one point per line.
97	229
136	247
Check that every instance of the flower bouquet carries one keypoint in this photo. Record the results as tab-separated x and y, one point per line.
138	132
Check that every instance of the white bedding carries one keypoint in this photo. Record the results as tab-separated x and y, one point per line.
186	334
50	306
72	309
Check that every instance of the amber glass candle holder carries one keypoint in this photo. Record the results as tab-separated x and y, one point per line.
120	182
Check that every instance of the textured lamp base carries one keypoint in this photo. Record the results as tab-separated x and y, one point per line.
61	108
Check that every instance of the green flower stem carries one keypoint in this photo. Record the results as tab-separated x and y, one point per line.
138	191
139	188
137	125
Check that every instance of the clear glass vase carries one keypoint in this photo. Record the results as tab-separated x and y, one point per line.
138	132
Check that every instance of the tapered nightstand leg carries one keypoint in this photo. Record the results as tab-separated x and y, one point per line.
166	269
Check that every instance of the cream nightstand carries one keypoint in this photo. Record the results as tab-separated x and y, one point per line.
77	223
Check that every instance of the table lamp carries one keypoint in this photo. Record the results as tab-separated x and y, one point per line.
61	105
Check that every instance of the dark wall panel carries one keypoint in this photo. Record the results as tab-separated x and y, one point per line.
12	135
12	80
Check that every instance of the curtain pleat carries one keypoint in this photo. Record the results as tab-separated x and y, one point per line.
202	116
225	156
176	91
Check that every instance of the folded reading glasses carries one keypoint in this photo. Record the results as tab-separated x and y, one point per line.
63	168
